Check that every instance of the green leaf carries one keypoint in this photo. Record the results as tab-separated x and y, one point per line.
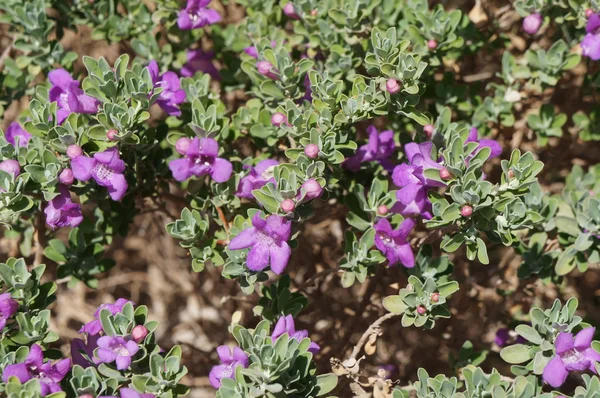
326	383
515	354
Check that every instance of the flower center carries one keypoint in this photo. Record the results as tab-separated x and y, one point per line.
103	172
205	160
572	356
386	239
121	351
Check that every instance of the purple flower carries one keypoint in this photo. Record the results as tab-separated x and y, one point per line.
572	354
171	95
229	361
11	167
258	177
116	349
8	307
70	98
504	338
591	42
195	15
201	159
15	133
532	23
253	51
106	168
285	324
131	393
307	88
380	147
198	60
393	243
80	347
62	212
34	367
94	327
496	149
268	242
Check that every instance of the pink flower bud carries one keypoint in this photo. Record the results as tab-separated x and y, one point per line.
290	11
532	23
511	174
466	211
278	119
11	166
428	130
311	151
314	13
382	210
393	86
435	297
266	69
182	145
66	177
588	12
139	333
432	44
73	151
111	134
445	174
288	205
421	310
312	188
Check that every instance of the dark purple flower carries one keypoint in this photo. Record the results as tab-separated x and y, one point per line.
171	95
268	242
532	23
106	168
229	361
34	367
94	327
62	211
11	167
116	349
380	147
80	347
195	15
393	243
258	177
591	42
198	60
285	324
15	133
307	88
8	307
572	354
496	149
69	96
504	338
201	159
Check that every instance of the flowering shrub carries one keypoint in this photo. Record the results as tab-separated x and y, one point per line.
361	112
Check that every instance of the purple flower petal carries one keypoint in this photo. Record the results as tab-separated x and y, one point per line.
555	372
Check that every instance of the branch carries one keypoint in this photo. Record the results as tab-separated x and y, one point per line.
375	328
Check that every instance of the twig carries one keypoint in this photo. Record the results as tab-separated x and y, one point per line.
374	328
40	238
6	53
223	219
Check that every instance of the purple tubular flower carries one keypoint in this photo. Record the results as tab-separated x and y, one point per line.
502	337
307	88
230	359
591	42
198	60
94	327
16	135
106	168
267	69
11	167
80	347
253	51
532	23
62	212
172	95
572	354
8	308
285	324
34	367
496	149
258	177
380	147
201	159
69	96
116	349
195	15
268	242
393	243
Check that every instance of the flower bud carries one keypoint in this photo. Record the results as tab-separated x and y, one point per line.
66	177
511	174
288	205
314	13
182	145
435	297
290	11
466	211
421	310
393	86
11	167
139	333
432	44
382	210
311	151
445	174
532	23
73	151
312	188
266	69
278	119
111	134
428	130
588	12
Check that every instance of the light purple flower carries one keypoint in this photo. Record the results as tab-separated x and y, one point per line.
285	324
171	95
94	327
69	96
131	393
116	349
195	15
15	133
229	361
268	242
591	42
8	307
258	177
62	211
532	23
495	147
198	60
572	354
34	367
80	347
11	167
380	147
106	168
201	159
393	243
